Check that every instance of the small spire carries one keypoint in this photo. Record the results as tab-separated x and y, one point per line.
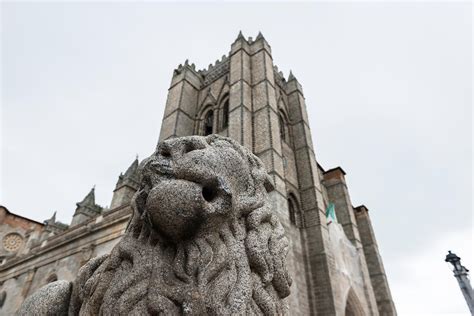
291	76
259	36
50	221
240	36
132	169
53	218
186	62
88	205
89	198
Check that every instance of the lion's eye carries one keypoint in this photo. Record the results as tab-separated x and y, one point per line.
209	193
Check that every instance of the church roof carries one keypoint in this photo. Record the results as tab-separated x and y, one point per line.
19	216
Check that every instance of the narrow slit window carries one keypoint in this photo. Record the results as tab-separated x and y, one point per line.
225	114
208	122
291	210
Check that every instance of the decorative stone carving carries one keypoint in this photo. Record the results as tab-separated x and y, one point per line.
202	240
12	242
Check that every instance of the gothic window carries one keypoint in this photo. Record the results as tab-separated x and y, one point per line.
282	127
284	133
225	114
52	278
208	122
353	305
292	209
3	298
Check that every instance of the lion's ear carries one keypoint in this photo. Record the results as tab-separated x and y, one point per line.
268	183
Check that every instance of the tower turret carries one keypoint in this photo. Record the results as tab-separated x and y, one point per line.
53	226
86	209
127	185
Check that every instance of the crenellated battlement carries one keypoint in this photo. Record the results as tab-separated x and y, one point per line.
209	74
218	63
222	65
279	76
181	67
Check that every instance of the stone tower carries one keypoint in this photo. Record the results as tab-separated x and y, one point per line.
336	266
86	209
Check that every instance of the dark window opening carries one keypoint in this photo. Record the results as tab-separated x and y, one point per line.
284	133
282	128
292	211
208	122
52	278
3	298
225	114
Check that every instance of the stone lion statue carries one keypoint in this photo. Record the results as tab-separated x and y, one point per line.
202	240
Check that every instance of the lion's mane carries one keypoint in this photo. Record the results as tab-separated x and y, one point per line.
238	267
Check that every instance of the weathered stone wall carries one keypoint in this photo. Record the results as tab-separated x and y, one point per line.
60	256
337	193
17	234
375	266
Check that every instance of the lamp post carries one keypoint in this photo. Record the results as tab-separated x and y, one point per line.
461	274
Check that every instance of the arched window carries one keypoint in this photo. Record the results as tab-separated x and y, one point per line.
3	298
208	122
225	114
282	127
52	278
353	305
292	208
284	133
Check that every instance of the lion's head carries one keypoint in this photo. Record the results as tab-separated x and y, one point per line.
202	238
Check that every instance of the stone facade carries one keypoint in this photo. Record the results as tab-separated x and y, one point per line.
336	267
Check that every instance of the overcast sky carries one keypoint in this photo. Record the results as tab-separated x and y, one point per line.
388	89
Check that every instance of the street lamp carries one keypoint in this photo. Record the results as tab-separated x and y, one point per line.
455	261
461	274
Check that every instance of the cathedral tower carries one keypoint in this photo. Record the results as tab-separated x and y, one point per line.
245	97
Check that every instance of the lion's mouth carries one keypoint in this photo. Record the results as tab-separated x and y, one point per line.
164	168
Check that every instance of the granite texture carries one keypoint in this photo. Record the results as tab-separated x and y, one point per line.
51	299
202	240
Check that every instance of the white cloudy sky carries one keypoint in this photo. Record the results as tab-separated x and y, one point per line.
388	88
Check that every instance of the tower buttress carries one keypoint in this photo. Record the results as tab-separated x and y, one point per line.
266	133
320	259
375	266
181	104
337	192
240	92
